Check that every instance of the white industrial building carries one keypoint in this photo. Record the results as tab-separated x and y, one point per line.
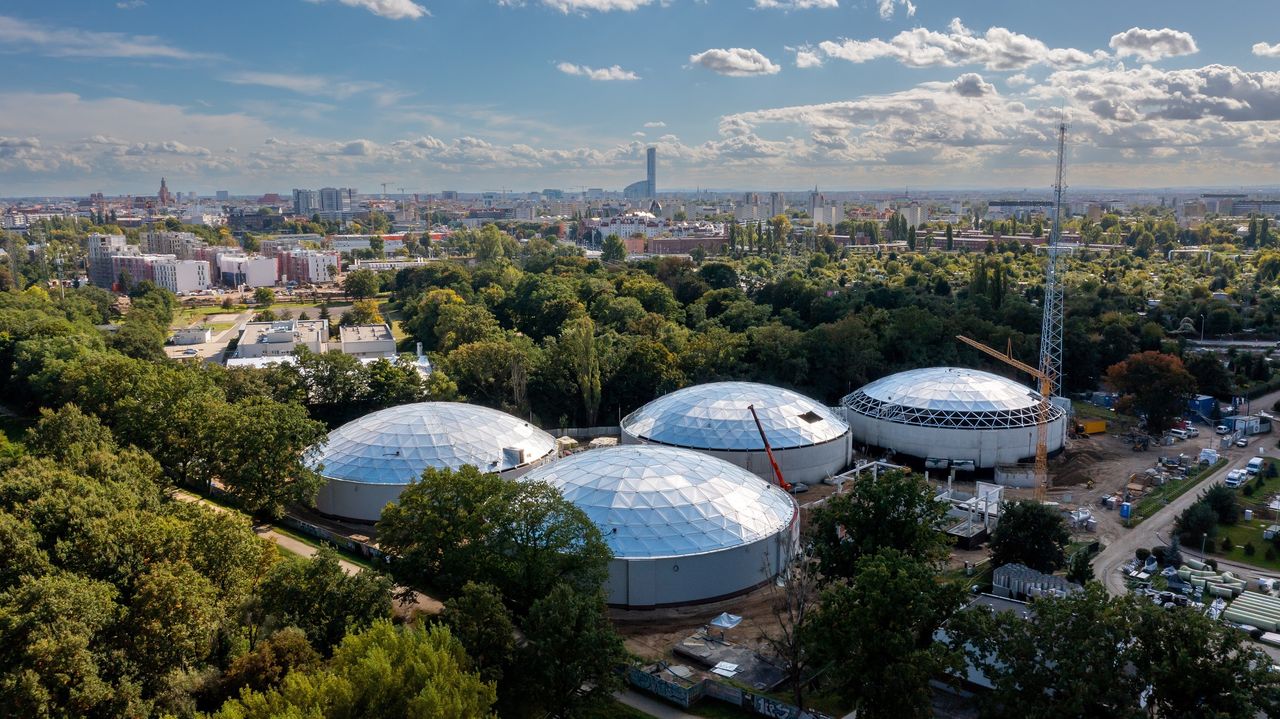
369	461
809	441
684	527
953	414
281	338
367	341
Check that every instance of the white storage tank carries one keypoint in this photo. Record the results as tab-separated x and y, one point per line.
809	441
684	527
952	413
370	460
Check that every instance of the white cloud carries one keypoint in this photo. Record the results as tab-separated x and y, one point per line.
735	62
390	9
130	4
807	57
1150	45
887	7
302	84
603	74
584	6
73	42
1262	49
655	124
998	49
797	4
1019	80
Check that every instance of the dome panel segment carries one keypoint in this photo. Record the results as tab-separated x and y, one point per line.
716	416
653	502
395	445
950	397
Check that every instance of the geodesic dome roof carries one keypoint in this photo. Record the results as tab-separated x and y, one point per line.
651	501
950	397
395	445
715	416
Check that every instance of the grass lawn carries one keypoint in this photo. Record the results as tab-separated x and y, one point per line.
187	316
1115	420
393	318
1270	485
310	541
1242	533
1152	503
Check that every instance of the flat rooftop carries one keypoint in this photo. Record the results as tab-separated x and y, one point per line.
365	333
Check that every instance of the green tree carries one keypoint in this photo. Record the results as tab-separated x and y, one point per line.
477	617
260	457
264	297
361	284
415	672
1032	534
320	598
266	665
1155	384
363	312
1068	660
570	654
578	340
1195	523
614	249
875	633
522	537
895	510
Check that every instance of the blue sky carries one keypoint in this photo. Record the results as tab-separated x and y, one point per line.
109	95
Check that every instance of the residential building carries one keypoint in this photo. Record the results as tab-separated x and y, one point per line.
181	276
337	199
308	266
249	270
182	245
777	204
101	249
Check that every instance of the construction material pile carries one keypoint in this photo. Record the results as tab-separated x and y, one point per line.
1217	584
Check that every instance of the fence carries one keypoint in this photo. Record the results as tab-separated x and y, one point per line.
688	696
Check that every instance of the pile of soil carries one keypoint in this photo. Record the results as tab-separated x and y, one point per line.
1076	465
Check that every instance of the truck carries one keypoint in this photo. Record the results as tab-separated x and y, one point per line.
1091	426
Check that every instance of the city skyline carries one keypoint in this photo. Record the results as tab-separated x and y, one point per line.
751	95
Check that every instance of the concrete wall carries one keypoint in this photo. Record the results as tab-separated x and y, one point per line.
644	583
799	464
986	448
364	502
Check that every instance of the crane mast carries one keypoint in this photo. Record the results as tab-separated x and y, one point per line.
1051	323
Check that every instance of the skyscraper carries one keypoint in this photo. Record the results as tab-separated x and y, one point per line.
651	162
163	196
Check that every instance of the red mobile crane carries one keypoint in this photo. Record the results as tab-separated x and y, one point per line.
777	472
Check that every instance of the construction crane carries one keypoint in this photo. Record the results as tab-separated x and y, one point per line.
1042	411
777	471
1052	321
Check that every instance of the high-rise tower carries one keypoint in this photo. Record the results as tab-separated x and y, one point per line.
651	164
163	196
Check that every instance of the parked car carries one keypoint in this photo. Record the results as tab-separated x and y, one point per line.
1222	429
1192	431
1235	478
190	352
1242	442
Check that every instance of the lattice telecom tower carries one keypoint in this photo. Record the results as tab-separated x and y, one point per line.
1051	323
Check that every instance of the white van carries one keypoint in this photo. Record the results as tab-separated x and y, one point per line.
1254	466
1179	433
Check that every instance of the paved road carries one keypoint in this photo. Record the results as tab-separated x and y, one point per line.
1107	564
650	705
